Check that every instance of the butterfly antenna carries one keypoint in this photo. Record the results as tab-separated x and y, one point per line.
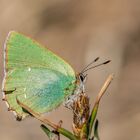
104	63
96	59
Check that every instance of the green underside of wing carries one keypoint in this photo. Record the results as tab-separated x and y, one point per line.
40	89
25	52
41	79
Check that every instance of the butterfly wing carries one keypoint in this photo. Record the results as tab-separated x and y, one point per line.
36	76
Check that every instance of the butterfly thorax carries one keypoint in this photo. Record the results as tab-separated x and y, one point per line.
79	89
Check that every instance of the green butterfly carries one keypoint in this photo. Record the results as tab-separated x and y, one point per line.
36	77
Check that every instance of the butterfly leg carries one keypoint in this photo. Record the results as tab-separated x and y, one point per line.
69	101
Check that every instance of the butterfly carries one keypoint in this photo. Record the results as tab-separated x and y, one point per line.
37	77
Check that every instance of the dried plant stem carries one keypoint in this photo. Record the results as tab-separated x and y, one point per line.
57	128
96	105
38	116
104	87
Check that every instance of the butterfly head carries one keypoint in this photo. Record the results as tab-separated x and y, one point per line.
82	76
81	79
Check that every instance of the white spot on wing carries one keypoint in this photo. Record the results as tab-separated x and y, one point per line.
29	69
25	96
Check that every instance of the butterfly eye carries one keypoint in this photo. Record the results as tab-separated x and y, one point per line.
82	77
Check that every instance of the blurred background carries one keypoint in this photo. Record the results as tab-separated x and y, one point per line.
79	31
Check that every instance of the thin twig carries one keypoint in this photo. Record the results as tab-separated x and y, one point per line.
38	116
57	128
